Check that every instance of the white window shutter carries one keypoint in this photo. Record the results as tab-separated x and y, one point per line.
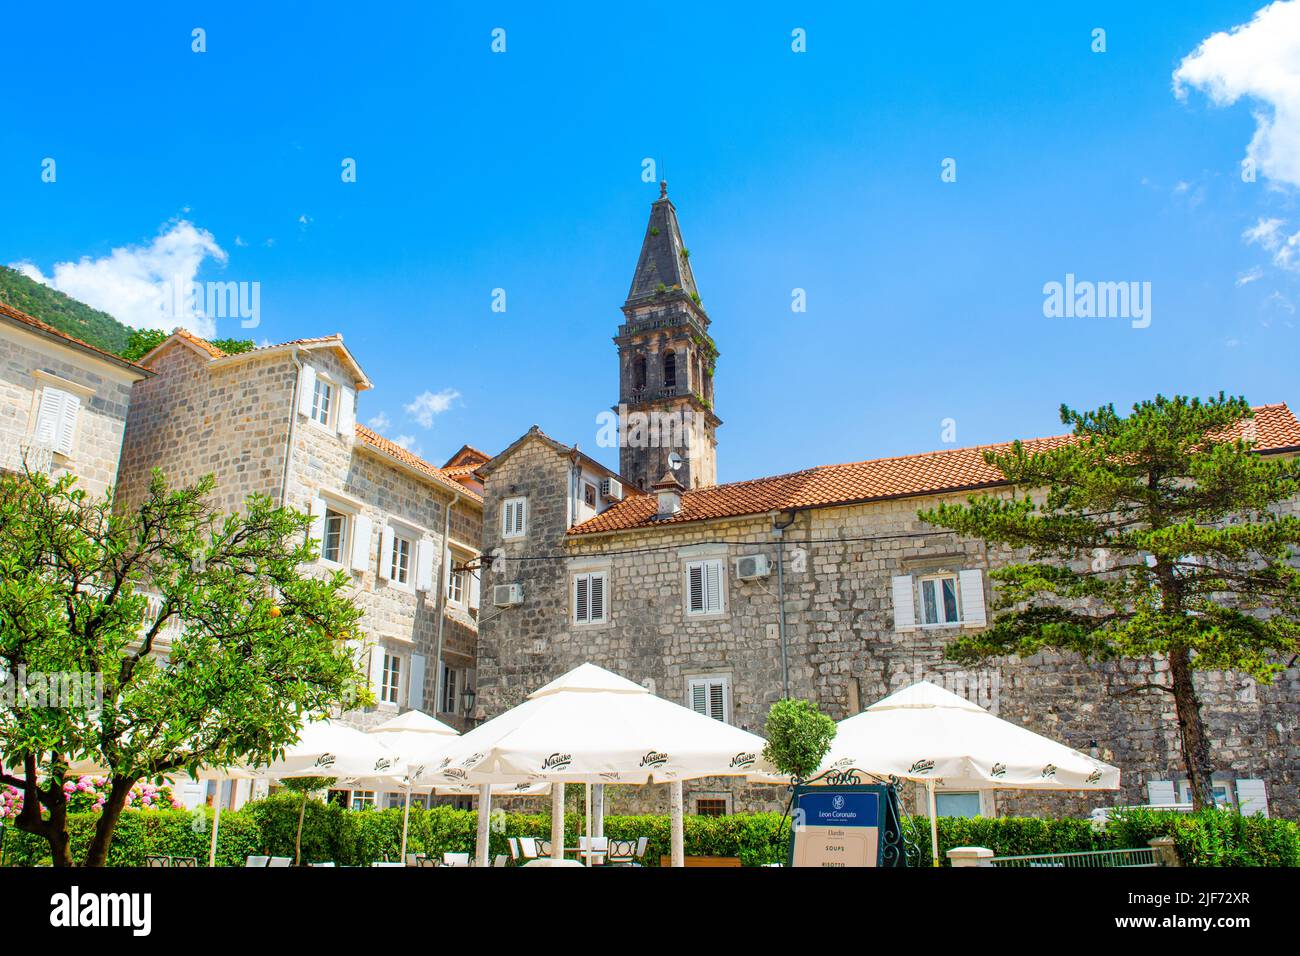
360	543
598	597
972	598
581	601
713	585
347	416
1160	793
317	512
700	697
1252	797
424	565
386	542
473	589
49	417
695	586
68	423
376	668
717	700
415	690
306	389
904	603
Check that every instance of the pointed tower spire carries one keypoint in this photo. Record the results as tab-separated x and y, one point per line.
666	361
664	264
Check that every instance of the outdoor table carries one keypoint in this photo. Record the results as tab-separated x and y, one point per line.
548	861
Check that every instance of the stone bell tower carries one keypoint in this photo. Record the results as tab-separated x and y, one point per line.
666	359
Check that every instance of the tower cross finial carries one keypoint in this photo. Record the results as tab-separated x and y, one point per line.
663	189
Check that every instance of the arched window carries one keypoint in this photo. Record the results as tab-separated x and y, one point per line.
670	370
638	372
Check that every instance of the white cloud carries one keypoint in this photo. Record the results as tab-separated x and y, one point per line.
380	422
408	442
1260	61
427	404
144	286
1250	275
1271	235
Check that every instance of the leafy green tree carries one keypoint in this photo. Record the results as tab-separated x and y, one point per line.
252	643
305	787
143	341
1157	535
798	737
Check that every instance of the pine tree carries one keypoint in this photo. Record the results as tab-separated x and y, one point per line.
1157	535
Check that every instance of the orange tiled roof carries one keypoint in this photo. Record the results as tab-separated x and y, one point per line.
394	450
18	315
962	469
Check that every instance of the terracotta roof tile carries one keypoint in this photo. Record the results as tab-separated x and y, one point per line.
961	469
394	450
18	315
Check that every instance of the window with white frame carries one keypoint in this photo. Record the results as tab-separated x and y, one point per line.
390	682
363	799
335	540
1222	790
710	696
514	517
56	419
957	803
400	568
322	401
589	494
589	598
455	584
450	688
939	599
704	587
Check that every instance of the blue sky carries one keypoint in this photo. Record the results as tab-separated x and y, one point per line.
817	170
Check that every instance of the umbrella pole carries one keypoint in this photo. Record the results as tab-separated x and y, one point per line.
934	825
557	820
588	809
679	835
598	810
484	817
406	819
216	822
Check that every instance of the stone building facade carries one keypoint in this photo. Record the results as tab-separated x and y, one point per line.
63	403
699	585
281	421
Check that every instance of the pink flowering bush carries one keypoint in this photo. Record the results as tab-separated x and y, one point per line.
90	793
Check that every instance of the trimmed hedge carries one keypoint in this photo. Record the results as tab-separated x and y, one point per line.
351	838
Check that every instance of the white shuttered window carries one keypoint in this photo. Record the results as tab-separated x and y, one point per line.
514	517
589	598
710	696
56	420
704	587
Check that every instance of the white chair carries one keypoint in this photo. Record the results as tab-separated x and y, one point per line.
281	861
528	847
256	861
455	859
330	863
513	843
595	854
500	860
385	863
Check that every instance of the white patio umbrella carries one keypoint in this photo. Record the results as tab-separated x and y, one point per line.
926	733
592	726
411	732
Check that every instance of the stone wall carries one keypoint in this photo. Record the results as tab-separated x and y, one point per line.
100	422
844	652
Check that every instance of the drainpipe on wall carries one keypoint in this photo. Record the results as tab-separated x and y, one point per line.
778	532
444	568
293	424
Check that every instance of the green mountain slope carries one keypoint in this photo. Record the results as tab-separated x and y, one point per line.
63	312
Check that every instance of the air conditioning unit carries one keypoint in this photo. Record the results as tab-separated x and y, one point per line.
611	489
507	595
753	566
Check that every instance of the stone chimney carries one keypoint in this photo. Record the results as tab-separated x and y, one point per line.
669	491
